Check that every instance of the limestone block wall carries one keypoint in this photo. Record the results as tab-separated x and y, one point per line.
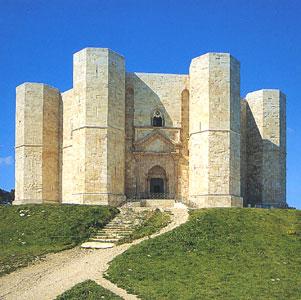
214	128
97	127
145	93
95	143
172	133
69	111
266	148
162	91
37	173
243	149
183	162
130	163
145	163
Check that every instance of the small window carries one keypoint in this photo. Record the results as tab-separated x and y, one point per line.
157	119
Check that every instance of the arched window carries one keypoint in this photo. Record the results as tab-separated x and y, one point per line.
157	119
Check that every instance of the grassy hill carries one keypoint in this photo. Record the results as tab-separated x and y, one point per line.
88	290
30	231
218	254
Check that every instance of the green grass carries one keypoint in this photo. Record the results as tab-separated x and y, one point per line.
27	232
88	290
218	254
154	221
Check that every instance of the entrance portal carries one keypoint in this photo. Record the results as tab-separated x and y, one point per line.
156	185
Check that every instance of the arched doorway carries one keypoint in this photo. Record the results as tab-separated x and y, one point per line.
156	185
157	182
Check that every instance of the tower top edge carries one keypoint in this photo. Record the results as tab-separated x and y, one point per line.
86	49
37	85
265	91
216	54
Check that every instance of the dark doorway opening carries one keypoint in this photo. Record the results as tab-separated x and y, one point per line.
156	185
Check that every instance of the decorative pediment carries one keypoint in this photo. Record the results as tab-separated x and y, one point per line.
156	141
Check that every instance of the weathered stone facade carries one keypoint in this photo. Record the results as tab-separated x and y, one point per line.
118	135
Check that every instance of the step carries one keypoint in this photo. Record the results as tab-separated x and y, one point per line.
120	223
162	203
96	245
109	236
124	226
114	230
118	227
128	222
123	219
104	240
112	233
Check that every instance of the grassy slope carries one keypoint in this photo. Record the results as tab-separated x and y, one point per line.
88	290
29	231
154	221
218	254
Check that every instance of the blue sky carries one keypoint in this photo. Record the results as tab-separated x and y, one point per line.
38	38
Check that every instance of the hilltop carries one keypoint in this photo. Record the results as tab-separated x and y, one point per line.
218	254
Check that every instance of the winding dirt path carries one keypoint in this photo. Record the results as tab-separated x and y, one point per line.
61	271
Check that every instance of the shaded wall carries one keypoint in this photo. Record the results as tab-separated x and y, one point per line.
266	148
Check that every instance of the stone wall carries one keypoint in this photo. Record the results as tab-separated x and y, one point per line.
214	126
162	91
266	148
145	93
37	144
94	129
68	158
183	161
243	149
96	144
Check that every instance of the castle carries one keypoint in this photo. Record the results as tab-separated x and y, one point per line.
118	136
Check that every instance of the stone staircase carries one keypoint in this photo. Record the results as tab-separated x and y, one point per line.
121	226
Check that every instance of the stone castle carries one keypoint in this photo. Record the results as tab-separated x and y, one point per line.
118	136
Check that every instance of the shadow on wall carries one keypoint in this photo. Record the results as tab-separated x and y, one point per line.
253	189
265	168
146	100
61	136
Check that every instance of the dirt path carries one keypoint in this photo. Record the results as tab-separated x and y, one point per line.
61	271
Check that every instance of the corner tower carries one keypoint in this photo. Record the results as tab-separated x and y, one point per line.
98	131
214	130
266	148
37	175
